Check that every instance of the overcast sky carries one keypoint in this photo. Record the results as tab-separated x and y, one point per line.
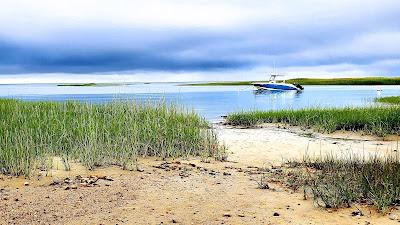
181	40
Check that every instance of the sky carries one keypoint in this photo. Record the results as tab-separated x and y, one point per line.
187	40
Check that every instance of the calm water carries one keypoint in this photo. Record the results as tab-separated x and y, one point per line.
210	102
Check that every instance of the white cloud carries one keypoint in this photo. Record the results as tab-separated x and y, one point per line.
307	37
18	17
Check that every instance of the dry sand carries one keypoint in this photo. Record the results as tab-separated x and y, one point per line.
190	192
273	144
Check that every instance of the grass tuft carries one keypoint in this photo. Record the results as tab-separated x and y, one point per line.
114	133
335	182
395	100
379	121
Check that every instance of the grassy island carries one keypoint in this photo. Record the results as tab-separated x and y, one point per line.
78	85
91	84
315	81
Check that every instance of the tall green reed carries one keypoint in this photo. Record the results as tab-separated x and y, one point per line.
370	120
389	100
339	181
115	133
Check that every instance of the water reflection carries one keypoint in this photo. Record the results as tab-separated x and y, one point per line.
288	94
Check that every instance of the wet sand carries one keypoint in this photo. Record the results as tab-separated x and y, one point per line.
190	191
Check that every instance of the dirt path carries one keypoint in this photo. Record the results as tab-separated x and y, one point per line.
183	192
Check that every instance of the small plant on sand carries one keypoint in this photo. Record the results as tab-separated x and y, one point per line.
262	182
222	154
334	181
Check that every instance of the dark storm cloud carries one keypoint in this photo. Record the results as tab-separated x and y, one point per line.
85	52
81	57
295	34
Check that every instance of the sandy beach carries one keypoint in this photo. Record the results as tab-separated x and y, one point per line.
275	144
188	191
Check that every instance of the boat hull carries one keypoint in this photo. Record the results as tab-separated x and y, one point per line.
276	86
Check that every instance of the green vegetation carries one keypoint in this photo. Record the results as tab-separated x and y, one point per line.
390	100
91	85
371	120
348	81
225	83
338	181
314	81
78	85
117	133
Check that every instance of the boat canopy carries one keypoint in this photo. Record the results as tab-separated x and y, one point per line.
273	76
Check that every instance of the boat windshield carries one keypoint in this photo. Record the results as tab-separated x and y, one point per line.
272	79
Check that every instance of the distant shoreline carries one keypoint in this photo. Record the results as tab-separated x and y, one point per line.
92	84
314	81
302	81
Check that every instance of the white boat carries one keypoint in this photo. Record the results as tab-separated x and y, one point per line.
273	85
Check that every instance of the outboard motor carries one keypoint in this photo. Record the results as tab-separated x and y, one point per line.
298	86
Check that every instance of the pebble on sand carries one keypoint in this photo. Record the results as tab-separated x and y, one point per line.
392	216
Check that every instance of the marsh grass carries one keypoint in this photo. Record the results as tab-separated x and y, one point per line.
117	133
316	81
379	121
78	85
335	182
389	100
92	84
347	81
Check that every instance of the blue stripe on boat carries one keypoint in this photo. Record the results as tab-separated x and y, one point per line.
277	86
